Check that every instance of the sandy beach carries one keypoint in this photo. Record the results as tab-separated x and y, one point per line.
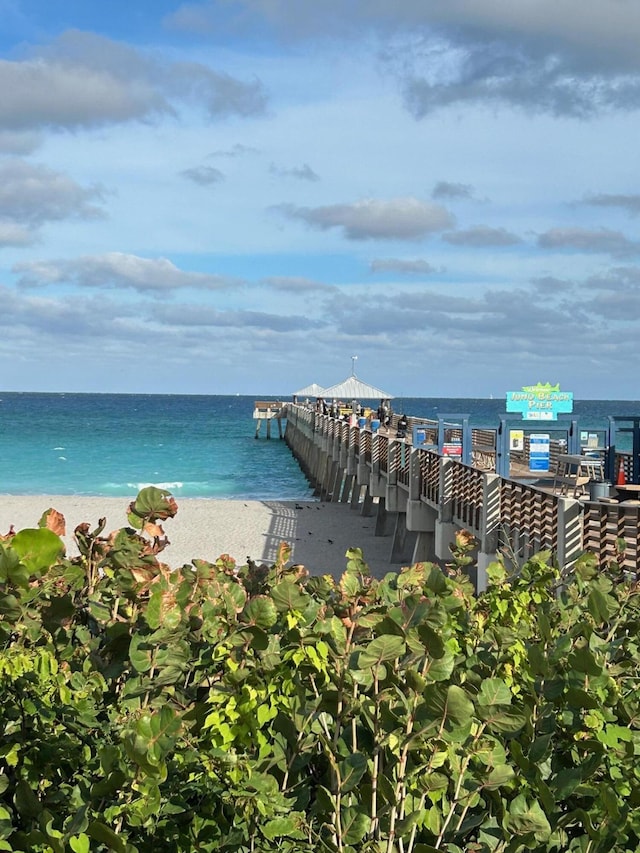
319	533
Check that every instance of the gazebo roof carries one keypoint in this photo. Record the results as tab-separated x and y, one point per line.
353	388
313	390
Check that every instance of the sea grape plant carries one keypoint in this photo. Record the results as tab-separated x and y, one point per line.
255	708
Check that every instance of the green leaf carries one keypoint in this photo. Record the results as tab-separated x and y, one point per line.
601	606
37	548
459	706
11	569
612	734
9	607
78	822
153	612
432	641
25	801
355	825
564	783
440	669
452	705
351	771
503	719
140	652
105	835
582	660
540	748
525	818
350	584
80	843
387	647
283	826
287	596
499	776
260	611
151	503
494	691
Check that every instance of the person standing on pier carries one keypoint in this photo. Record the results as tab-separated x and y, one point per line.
403	426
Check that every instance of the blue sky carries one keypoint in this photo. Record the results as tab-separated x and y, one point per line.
237	196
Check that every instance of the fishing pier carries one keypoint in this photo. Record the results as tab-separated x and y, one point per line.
421	496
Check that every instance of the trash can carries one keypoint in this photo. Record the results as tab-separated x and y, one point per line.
599	489
362	422
375	425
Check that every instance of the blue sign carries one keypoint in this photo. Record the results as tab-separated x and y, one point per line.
540	402
538	452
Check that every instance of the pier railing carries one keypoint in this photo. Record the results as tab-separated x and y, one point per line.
433	496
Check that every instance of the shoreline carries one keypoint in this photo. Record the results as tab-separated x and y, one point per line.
205	528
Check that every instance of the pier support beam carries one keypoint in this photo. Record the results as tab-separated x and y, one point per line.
328	480
367	504
404	541
347	486
356	494
424	549
385	520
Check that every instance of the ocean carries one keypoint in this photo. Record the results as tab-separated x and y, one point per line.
193	446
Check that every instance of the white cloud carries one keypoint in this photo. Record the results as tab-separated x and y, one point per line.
601	240
209	317
481	235
14	234
300	173
117	270
416	266
85	80
34	194
629	202
375	219
203	175
565	58
298	286
452	190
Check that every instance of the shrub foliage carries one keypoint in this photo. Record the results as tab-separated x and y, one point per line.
254	708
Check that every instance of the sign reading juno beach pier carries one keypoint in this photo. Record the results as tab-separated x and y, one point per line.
540	402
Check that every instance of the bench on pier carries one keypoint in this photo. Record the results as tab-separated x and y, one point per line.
483	456
569	475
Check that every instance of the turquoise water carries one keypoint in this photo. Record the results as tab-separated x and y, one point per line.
194	446
112	444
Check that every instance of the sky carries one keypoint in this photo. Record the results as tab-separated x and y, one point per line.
250	196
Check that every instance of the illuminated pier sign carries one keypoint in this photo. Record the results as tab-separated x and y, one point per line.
540	402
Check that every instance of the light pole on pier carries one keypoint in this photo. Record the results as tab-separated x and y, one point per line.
354	358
